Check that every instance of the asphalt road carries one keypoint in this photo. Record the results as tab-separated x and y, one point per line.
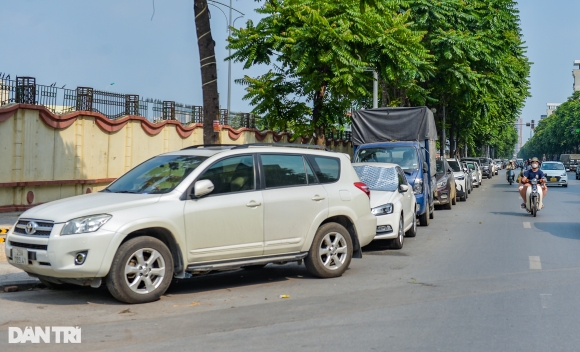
484	276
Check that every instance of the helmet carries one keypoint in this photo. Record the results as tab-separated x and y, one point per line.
535	159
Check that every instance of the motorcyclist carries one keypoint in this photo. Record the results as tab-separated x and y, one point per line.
511	166
534	172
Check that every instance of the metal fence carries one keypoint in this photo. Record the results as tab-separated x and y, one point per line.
24	90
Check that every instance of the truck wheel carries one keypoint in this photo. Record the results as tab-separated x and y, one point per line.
424	219
141	271
330	252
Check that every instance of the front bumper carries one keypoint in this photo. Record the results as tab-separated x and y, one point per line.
392	221
559	181
441	197
54	256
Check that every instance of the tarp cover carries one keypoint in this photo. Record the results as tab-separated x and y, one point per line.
393	124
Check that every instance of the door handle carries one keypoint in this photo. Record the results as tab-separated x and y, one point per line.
317	197
253	204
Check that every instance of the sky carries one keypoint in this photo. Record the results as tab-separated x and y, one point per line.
149	47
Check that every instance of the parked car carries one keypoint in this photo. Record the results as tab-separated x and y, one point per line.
199	210
577	173
471	175
461	180
485	166
445	193
555	173
477	174
392	201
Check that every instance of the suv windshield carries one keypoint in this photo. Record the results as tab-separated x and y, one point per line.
160	174
454	165
552	166
405	157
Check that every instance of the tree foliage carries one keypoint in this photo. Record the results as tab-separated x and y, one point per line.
558	133
464	57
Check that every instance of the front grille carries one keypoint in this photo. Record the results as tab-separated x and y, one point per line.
28	245
43	228
550	177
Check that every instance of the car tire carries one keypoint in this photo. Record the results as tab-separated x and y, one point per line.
432	213
412	232
566	186
424	219
397	243
320	264
448	206
136	253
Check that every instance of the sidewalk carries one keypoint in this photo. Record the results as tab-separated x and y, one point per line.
12	276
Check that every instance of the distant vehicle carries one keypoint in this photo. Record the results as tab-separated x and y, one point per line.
461	181
568	160
446	193
555	173
485	164
473	174
476	169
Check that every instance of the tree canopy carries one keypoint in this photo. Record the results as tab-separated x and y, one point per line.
464	57
558	133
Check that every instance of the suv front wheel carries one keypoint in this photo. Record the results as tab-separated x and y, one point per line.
141	270
330	252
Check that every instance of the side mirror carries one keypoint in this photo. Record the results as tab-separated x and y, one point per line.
202	187
403	188
425	167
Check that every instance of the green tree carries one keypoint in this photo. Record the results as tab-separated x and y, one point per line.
321	52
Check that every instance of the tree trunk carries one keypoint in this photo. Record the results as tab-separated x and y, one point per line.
384	93
206	45
452	140
316	114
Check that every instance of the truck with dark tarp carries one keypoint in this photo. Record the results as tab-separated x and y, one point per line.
403	136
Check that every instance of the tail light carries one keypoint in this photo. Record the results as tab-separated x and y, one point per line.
363	187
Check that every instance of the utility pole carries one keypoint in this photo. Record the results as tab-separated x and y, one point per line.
230	63
375	89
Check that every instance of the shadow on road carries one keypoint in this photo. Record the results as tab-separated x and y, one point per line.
210	282
569	230
510	213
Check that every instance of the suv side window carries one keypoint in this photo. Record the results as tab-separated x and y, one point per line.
283	170
327	169
309	173
235	174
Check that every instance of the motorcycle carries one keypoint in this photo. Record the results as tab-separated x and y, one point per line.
534	197
510	176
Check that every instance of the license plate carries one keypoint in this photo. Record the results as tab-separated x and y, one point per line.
553	179
20	256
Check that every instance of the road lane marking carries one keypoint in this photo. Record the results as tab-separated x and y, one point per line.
535	263
545	299
527	225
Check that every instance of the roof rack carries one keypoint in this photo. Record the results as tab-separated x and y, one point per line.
209	146
291	145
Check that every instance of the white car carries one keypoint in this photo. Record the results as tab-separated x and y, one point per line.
461	182
555	173
199	210
392	201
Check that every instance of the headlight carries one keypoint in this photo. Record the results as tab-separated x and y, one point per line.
442	183
383	209
564	174
460	178
85	224
418	186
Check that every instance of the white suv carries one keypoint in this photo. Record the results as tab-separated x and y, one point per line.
198	210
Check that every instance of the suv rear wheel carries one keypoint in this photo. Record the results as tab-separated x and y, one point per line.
141	270
330	252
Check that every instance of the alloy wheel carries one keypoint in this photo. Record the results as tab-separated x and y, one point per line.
145	270
333	250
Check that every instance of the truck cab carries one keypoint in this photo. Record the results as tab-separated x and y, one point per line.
413	158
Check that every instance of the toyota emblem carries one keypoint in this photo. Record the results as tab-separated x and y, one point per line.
31	228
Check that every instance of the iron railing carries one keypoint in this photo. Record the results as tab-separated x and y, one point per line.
61	100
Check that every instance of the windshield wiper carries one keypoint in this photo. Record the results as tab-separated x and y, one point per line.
127	192
106	190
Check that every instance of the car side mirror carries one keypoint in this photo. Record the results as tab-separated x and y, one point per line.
425	167
403	188
202	187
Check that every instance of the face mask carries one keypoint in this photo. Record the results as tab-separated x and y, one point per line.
535	165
